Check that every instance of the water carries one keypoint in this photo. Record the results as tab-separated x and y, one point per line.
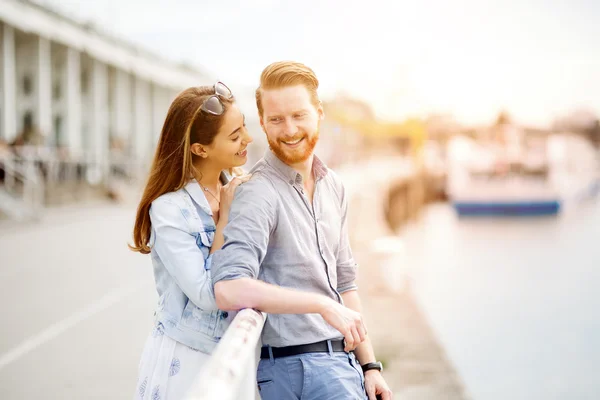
515	302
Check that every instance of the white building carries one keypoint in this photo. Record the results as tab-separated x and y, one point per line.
83	91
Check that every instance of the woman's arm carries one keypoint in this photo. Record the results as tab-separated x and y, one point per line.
219	239
180	254
227	194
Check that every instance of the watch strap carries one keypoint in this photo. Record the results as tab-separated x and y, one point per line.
373	365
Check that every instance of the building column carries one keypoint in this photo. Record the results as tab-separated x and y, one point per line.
121	106
99	117
159	112
44	89
143	119
9	111
73	97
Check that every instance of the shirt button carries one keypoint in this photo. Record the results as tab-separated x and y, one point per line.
225	314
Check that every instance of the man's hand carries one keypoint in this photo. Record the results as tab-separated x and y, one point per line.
375	386
347	321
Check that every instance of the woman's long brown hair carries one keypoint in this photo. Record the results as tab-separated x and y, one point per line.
173	161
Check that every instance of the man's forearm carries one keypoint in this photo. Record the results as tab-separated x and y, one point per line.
241	293
364	352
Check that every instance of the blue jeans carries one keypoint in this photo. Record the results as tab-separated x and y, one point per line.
311	376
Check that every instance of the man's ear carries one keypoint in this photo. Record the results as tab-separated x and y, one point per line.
262	123
320	111
199	150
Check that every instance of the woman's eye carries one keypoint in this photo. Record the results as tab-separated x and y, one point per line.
235	139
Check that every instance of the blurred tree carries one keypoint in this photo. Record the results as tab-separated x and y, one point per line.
583	122
503	118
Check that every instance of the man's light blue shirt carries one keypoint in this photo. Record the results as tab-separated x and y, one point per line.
276	235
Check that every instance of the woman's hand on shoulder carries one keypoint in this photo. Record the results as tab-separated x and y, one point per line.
237	171
228	191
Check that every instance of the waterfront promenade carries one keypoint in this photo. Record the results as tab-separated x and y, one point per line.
77	306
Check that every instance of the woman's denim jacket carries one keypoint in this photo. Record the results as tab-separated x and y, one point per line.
182	233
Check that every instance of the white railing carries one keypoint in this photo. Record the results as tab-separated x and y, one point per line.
24	188
30	172
86	166
229	365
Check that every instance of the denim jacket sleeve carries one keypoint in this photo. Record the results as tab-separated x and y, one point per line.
180	254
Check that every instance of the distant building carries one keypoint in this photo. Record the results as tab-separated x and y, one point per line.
66	85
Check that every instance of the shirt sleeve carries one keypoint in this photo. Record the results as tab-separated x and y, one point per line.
180	254
251	220
346	266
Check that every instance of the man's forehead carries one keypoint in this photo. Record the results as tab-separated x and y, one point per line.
285	99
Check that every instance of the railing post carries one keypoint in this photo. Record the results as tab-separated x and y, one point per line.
9	177
221	376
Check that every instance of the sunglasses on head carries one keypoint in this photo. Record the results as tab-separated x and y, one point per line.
213	104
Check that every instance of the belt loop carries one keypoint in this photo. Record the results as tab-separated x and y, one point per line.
330	348
271	355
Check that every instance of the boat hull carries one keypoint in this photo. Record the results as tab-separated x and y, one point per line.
508	208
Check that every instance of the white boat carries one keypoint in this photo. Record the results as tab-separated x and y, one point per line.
506	195
492	179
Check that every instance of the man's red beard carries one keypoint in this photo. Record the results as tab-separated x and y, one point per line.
294	156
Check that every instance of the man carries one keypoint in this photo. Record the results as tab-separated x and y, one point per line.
287	253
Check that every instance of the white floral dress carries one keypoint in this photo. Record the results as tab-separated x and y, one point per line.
168	369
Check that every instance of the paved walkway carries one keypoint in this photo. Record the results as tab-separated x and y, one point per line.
76	305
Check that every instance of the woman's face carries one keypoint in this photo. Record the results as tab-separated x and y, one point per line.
228	149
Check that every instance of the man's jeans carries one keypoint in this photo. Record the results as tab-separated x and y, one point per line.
311	376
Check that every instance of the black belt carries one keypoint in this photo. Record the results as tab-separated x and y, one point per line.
319	347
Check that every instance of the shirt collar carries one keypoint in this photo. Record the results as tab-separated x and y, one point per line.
319	169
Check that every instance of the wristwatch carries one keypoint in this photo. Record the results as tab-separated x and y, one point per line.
374	365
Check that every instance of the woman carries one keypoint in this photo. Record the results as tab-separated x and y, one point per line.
179	222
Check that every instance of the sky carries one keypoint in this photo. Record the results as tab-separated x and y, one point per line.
470	59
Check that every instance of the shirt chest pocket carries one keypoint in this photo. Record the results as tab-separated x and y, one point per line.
204	241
